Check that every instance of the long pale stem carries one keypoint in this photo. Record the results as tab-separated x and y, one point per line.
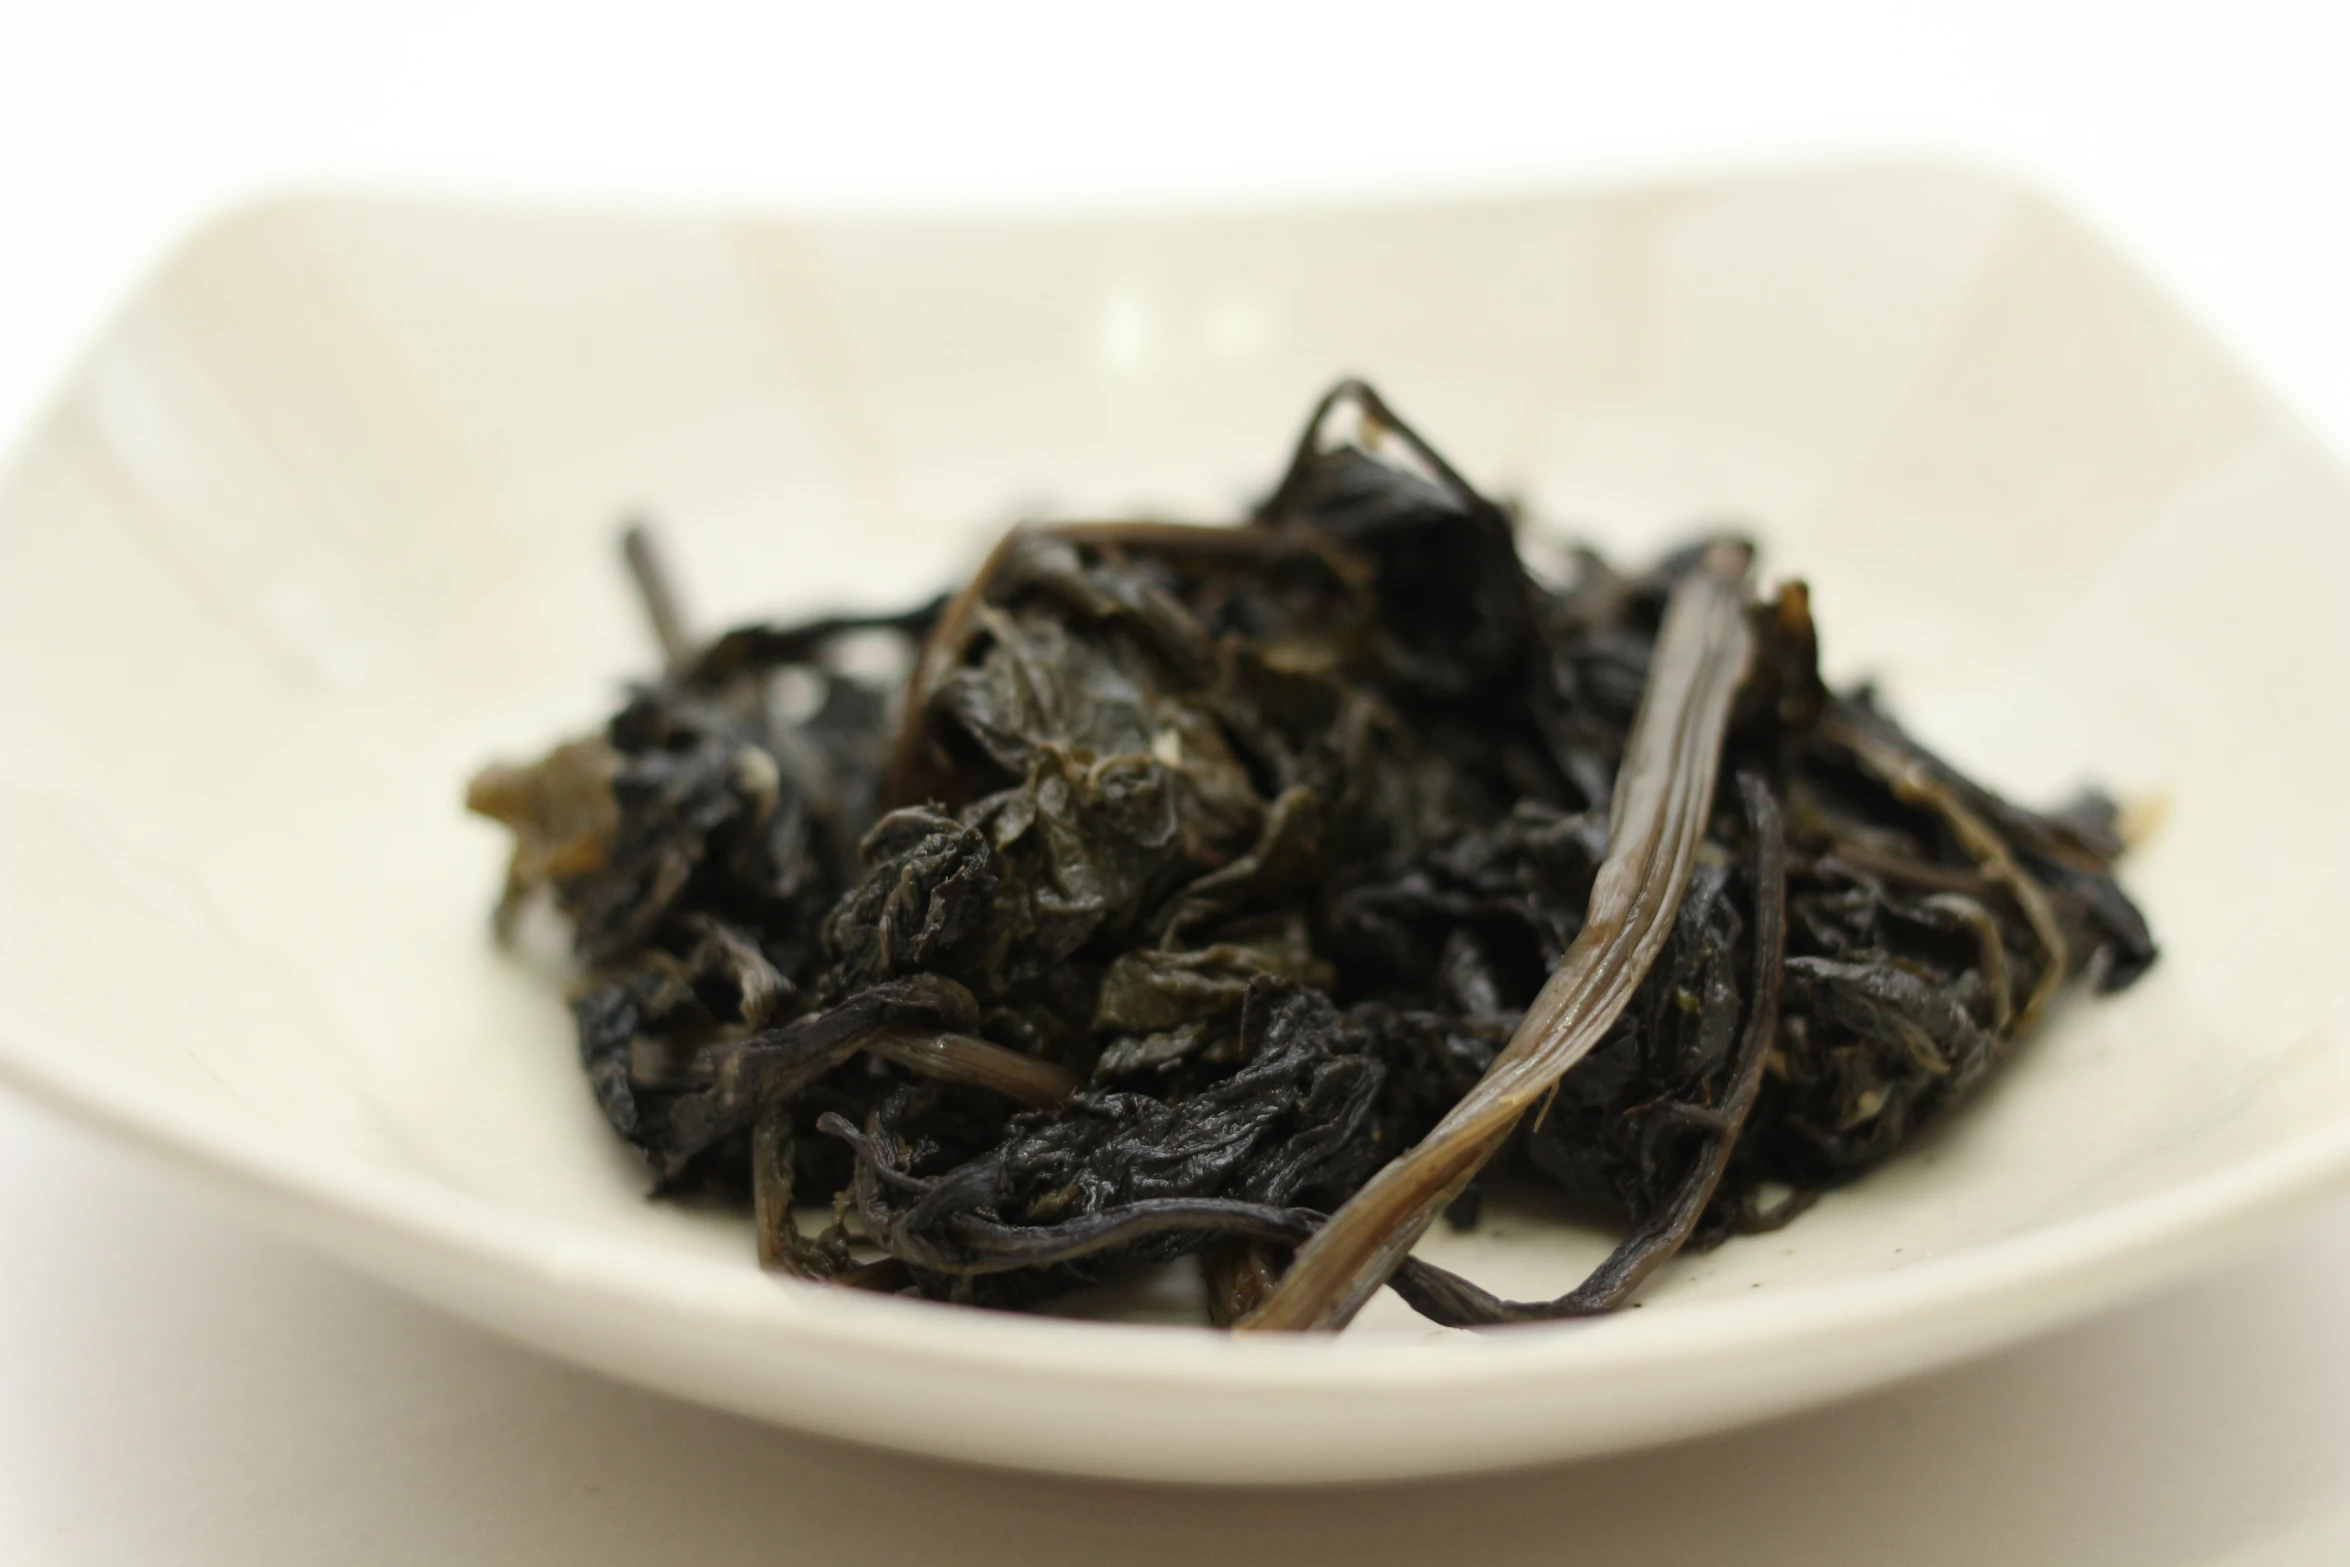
1664	792
1450	1299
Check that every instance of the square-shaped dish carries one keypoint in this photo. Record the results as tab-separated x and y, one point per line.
325	520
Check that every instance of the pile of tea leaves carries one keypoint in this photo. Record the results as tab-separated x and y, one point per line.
1259	893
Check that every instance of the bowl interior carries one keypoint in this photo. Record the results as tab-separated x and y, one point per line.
326	520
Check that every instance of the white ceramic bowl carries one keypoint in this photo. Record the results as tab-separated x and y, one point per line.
325	520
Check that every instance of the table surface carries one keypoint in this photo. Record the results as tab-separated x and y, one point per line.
177	1386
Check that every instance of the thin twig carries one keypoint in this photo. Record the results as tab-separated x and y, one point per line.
1914	782
655	592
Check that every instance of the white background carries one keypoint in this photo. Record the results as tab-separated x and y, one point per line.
177	1387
